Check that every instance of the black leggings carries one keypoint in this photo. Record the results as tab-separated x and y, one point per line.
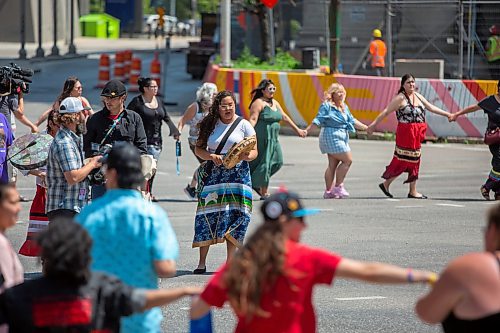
493	181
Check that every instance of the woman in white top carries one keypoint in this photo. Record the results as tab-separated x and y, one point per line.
225	195
192	117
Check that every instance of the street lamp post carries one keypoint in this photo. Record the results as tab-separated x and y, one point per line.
225	33
334	35
39	51
55	49
71	47
22	51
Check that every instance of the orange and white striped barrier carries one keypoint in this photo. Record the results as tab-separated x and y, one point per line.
104	67
119	73
127	62
155	70
135	73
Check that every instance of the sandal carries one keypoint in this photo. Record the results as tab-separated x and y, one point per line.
486	193
411	196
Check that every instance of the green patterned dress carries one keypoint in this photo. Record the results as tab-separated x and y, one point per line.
270	158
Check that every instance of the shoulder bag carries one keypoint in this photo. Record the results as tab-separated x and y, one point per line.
206	167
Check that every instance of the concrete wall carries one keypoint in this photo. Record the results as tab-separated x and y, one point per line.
301	94
10	18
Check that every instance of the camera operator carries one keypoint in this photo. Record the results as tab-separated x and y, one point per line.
113	123
67	181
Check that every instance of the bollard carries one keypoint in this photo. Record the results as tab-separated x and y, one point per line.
155	70
103	75
135	73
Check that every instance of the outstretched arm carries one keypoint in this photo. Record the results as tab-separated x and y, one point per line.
377	272
469	109
392	107
300	132
166	296
432	108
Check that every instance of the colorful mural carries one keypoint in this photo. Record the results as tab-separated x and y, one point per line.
301	94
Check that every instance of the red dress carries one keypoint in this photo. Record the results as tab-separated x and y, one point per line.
409	136
289	300
38	222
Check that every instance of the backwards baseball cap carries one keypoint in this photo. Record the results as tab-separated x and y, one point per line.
285	203
114	88
72	105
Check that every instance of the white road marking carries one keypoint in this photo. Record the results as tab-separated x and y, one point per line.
450	205
395	200
409	206
358	298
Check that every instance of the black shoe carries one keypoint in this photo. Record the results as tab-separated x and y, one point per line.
414	197
190	192
383	189
486	193
200	271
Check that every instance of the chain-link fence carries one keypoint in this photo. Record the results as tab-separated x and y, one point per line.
457	32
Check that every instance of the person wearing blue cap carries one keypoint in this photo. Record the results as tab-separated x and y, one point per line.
269	282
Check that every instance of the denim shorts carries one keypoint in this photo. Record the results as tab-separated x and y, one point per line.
154	150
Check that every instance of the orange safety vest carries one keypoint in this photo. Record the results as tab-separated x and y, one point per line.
378	51
493	51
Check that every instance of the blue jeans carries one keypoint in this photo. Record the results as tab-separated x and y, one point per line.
155	151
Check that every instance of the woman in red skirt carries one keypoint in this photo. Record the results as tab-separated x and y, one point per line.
410	109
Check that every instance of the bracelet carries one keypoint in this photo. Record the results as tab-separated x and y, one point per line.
432	279
409	276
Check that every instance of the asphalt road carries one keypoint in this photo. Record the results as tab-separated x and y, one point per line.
413	233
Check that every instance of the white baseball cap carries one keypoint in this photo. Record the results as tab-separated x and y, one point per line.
71	105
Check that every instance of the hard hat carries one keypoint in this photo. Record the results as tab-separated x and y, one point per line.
377	33
494	30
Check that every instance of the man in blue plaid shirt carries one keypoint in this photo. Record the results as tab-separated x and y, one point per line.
68	187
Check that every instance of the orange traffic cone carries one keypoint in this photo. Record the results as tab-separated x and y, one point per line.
135	73
103	76
155	70
126	64
119	68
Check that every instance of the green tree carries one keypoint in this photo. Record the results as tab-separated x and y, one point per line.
208	6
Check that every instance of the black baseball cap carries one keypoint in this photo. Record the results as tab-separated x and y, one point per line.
114	88
285	203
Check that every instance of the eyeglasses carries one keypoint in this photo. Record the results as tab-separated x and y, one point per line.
110	98
271	89
226	107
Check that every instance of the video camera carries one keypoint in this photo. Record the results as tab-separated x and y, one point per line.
96	177
14	79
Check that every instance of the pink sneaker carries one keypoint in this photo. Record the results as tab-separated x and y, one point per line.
329	195
343	191
340	191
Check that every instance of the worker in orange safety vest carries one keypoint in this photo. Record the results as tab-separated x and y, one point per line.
376	55
493	46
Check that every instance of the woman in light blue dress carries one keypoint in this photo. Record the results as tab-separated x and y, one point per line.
336	121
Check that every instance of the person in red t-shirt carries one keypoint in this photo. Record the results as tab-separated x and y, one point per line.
269	282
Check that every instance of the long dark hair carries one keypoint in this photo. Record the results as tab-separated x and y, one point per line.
143	82
404	78
258	92
69	84
206	125
65	251
254	269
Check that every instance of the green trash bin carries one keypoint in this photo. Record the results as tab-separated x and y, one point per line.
100	26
